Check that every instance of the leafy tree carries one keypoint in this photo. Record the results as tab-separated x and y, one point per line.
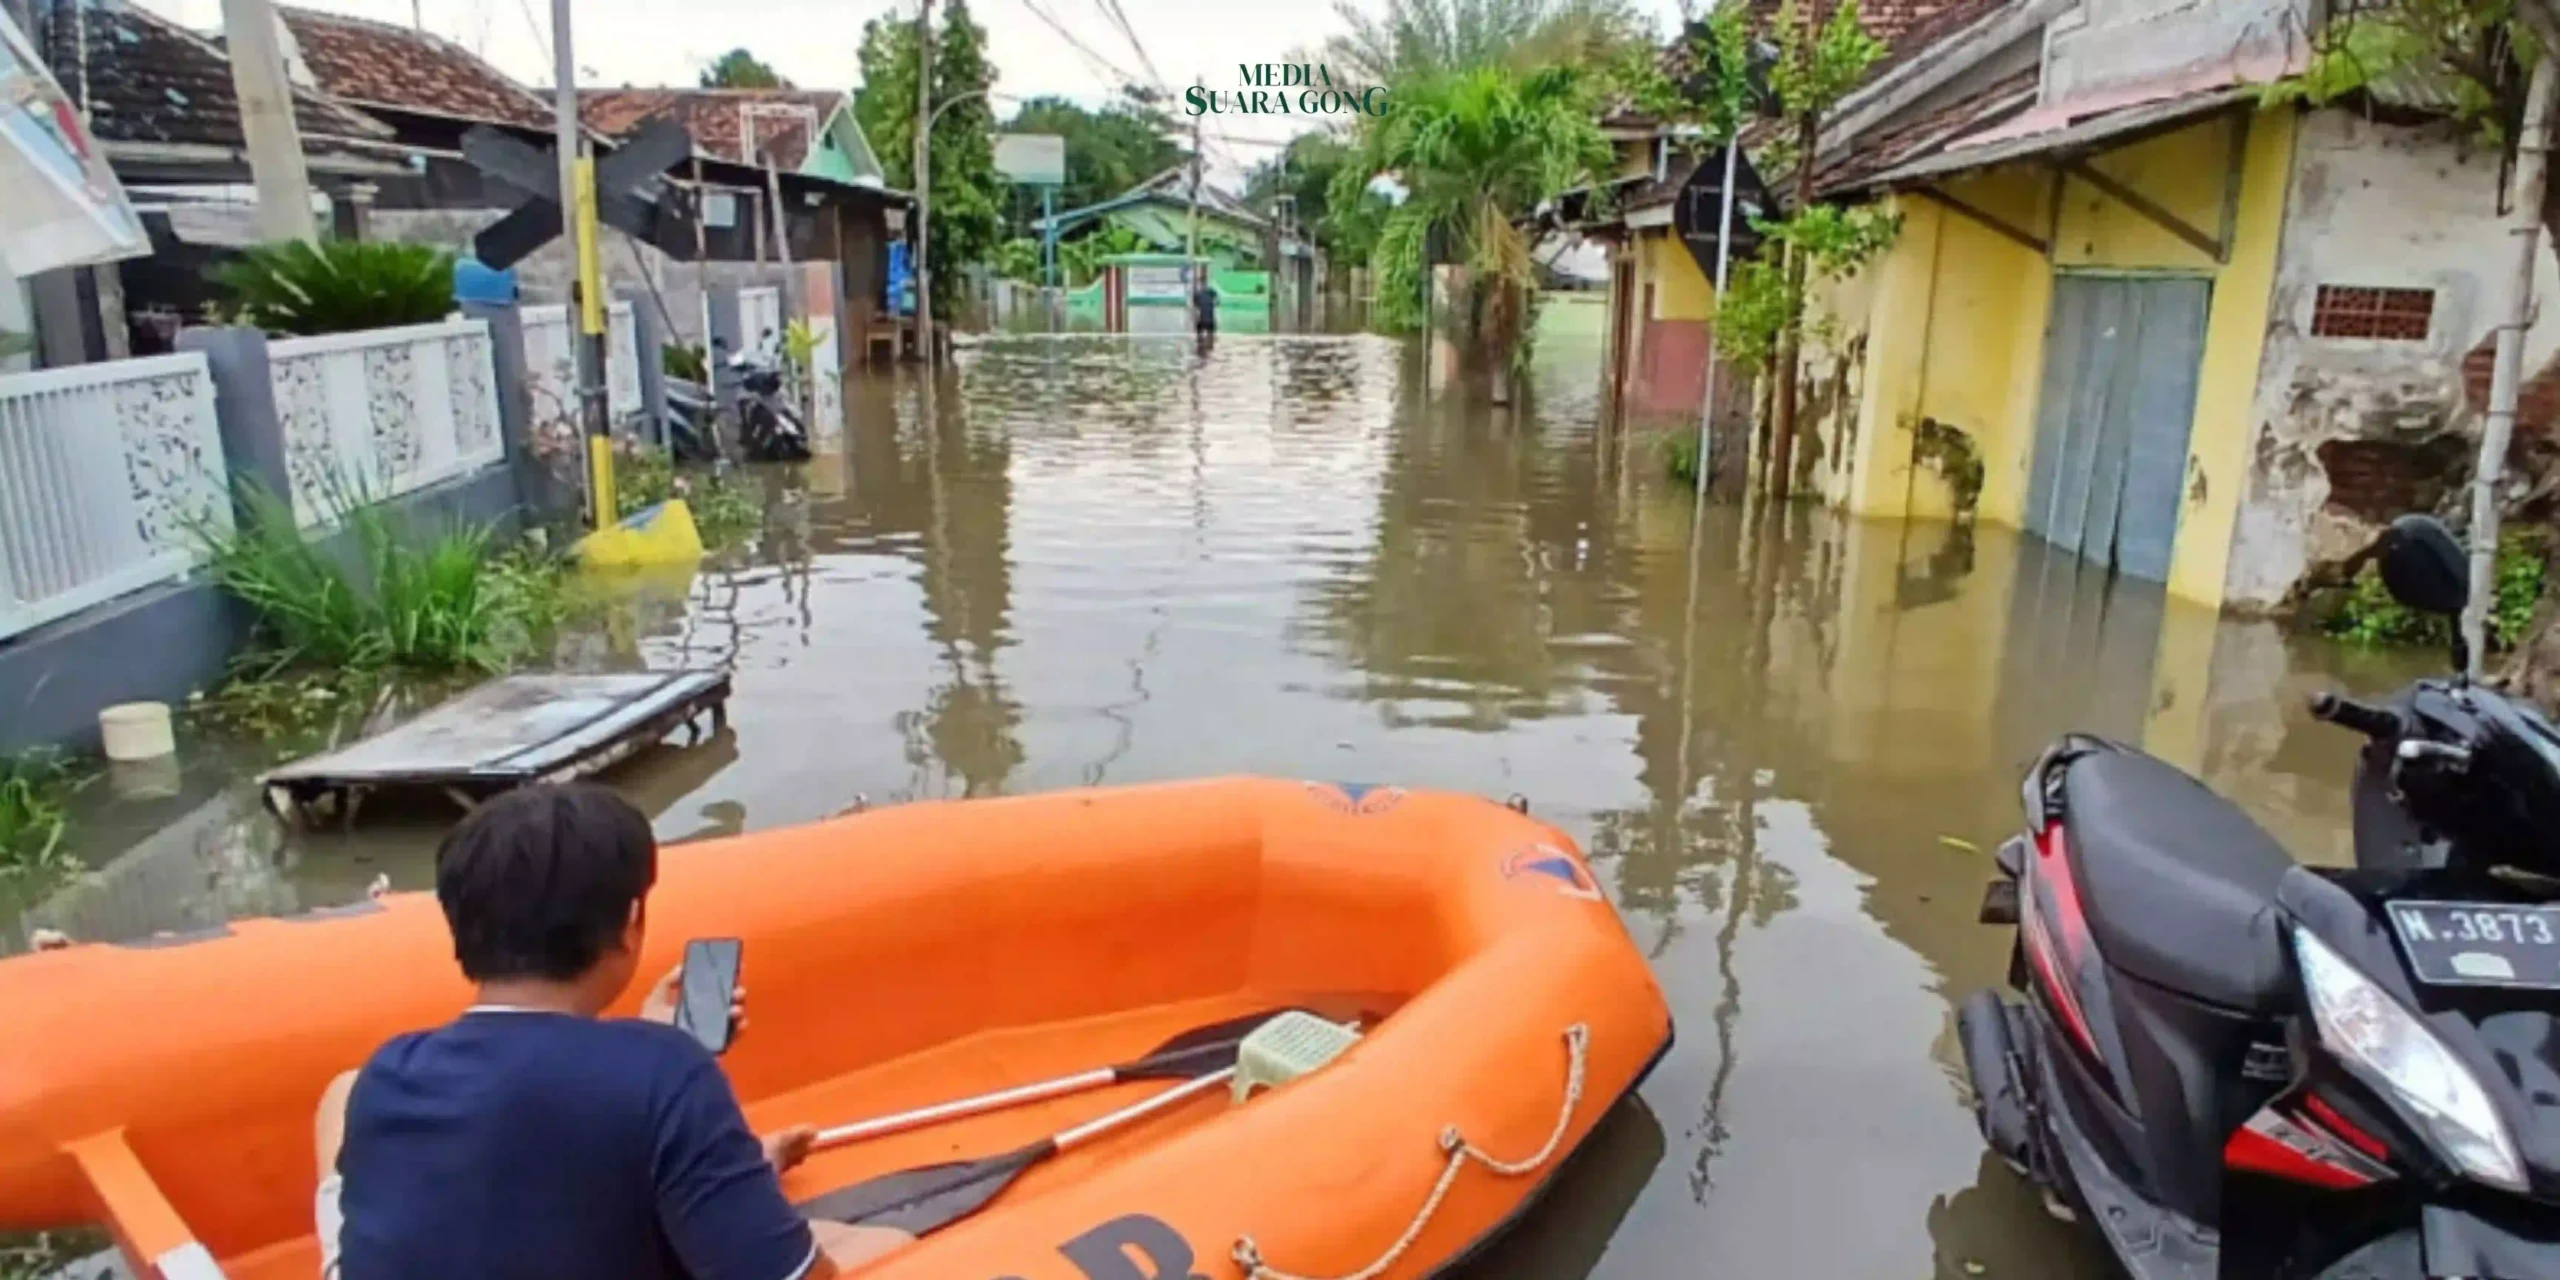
739	69
1108	151
1416	39
1080	259
1476	149
968	194
1019	259
1793	71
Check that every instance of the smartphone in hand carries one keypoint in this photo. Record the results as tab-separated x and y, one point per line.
709	987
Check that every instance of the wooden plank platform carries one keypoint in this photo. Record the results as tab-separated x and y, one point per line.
504	734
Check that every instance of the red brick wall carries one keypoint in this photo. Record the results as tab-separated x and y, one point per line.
2539	406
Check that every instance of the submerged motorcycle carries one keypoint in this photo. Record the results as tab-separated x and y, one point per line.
2233	1065
768	427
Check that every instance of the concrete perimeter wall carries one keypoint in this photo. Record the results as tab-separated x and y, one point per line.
167	641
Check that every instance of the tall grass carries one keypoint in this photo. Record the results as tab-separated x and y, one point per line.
384	598
35	793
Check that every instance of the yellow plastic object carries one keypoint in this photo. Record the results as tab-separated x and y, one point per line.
1286	1048
663	534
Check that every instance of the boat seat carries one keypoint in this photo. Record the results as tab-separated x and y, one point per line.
2177	883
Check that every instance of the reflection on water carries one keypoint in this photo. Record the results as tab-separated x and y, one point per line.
1083	560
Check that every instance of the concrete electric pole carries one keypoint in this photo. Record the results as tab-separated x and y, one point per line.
266	121
924	180
578	219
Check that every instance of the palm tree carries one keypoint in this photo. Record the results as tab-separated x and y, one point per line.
1413	39
1475	150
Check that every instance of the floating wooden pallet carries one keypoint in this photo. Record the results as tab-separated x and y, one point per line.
504	734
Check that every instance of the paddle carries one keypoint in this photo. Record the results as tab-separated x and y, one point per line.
918	1201
1191	1054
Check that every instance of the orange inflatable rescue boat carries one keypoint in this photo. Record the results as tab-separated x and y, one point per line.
904	958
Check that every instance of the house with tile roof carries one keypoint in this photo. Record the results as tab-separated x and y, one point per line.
811	132
160	103
2145	312
1660	212
430	91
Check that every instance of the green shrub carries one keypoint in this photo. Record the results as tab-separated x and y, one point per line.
449	602
726	508
35	793
2369	616
685	360
1680	456
2522	555
336	286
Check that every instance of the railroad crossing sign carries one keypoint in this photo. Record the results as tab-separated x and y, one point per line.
627	186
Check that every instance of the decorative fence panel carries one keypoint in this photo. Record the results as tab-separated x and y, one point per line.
110	476
377	414
551	362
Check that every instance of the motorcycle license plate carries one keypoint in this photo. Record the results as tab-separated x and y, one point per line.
2480	944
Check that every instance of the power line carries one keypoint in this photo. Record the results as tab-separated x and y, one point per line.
541	34
1112	70
1111	10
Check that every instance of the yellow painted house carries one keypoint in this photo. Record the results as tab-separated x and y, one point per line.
2134	310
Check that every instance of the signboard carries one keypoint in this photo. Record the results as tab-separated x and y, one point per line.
1032	159
1157	283
65	207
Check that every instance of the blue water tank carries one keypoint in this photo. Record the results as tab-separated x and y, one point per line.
476	281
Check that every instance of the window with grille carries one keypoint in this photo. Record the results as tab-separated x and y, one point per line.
2389	315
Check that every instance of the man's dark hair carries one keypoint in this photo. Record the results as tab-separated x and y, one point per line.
539	882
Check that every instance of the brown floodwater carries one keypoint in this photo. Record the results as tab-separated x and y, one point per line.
1090	560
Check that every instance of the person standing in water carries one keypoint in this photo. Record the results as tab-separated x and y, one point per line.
1204	307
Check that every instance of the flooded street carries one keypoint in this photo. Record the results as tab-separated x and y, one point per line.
1095	560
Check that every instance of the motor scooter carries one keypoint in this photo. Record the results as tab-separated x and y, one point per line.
2230	1064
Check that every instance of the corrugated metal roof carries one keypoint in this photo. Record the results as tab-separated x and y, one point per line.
2079	135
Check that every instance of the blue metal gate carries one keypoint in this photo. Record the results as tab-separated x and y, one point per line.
2122	355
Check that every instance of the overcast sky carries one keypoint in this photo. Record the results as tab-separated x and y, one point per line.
813	42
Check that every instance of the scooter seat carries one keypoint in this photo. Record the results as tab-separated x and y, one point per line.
2178	884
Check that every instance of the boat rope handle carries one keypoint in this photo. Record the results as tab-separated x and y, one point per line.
1577	1043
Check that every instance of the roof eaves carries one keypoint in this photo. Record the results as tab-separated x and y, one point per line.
2081	134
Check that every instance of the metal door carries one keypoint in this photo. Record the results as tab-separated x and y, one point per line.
2122	355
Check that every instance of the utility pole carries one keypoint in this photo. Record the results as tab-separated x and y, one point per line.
924	180
266	121
578	218
1724	281
2531	176
1191	236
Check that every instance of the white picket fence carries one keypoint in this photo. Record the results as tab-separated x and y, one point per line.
373	415
110	477
550	358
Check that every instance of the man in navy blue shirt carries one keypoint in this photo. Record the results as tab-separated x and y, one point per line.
530	1139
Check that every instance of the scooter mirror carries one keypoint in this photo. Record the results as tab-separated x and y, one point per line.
2424	567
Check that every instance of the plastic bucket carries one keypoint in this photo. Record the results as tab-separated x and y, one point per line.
137	731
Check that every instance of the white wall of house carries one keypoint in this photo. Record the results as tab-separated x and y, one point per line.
2372	206
630	269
